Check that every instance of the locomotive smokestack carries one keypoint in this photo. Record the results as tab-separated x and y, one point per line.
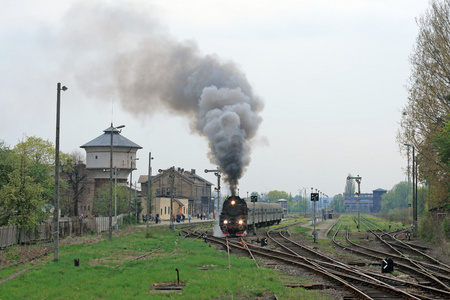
130	57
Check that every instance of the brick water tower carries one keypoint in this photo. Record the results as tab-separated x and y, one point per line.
98	153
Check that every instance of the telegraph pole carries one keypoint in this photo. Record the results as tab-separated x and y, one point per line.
56	209
131	185
254	199
149	201
172	183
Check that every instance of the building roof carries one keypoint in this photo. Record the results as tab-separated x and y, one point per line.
104	140
191	176
379	190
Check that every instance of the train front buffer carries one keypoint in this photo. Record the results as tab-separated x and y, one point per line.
233	226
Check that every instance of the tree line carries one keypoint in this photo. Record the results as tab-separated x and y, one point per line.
425	121
27	185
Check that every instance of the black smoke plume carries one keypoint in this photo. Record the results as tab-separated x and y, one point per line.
118	51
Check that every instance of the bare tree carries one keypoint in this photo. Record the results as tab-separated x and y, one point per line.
76	176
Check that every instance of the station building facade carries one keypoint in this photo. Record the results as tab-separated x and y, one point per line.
188	188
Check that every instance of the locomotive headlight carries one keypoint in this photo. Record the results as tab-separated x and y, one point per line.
225	221
233	202
241	222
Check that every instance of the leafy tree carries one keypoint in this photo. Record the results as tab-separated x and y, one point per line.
21	199
441	143
275	195
27	181
338	203
8	162
102	200
39	157
397	197
428	107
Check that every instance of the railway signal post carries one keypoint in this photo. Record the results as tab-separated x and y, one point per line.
358	180
314	198
217	173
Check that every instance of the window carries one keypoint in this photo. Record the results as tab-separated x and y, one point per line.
96	157
89	208
165	209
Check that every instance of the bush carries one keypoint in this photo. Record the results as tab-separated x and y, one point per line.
149	234
434	229
129	220
446	226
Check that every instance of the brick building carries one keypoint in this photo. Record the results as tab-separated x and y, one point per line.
187	185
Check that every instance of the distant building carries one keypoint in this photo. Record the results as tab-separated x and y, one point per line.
162	205
188	185
369	202
377	194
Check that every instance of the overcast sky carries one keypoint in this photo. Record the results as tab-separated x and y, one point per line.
331	74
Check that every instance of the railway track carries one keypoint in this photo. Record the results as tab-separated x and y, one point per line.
360	283
425	275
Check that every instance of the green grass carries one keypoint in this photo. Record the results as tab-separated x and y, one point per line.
107	271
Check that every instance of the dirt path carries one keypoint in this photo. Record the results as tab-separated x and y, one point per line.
321	228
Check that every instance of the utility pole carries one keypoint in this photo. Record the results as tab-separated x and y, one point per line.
254	199
110	177
415	175
149	181
116	226
135	202
409	182
56	209
300	195
172	183
131	185
358	180
414	188
217	173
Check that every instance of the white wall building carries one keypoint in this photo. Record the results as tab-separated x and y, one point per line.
98	155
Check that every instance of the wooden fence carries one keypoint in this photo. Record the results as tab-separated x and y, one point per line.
12	235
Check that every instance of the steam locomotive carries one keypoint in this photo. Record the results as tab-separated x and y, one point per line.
237	215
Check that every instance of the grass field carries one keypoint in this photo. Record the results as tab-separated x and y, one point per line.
110	270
